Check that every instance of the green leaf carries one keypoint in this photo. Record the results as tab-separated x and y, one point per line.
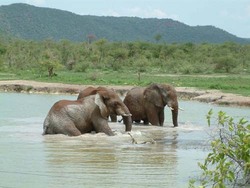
209	114
231	176
243	121
248	127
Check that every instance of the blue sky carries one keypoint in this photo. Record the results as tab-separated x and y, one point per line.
230	15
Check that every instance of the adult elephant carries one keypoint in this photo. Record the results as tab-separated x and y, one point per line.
148	103
88	114
92	91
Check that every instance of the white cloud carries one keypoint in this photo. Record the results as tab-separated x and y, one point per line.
35	2
112	13
150	13
147	13
155	13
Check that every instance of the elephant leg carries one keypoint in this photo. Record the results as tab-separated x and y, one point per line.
101	125
161	117
153	118
113	117
71	130
145	121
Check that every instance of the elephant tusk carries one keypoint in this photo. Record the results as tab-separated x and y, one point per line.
171	108
126	115
181	109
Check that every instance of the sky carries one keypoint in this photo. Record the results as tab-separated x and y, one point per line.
232	16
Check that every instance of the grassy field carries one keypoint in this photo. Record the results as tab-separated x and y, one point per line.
233	83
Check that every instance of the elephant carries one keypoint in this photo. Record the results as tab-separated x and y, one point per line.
92	91
76	117
148	103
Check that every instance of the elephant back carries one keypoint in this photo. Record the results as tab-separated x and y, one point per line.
134	96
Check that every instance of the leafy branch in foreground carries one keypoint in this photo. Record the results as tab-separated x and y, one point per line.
228	164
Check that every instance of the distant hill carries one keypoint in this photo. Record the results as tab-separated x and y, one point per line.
35	23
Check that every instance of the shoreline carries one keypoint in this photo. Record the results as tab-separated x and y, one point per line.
185	93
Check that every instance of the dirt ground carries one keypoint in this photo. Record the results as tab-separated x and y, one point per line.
208	96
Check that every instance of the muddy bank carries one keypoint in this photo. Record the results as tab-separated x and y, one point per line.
208	96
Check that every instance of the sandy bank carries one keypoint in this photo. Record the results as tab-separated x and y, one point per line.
209	96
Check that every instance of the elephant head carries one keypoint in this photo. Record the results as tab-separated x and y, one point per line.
172	103
113	104
110	103
162	95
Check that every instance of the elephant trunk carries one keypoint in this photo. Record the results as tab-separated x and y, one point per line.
127	120
126	116
175	116
174	107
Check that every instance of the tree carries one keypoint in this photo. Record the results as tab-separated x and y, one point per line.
91	38
228	164
158	37
65	51
225	64
2	52
118	56
101	47
49	63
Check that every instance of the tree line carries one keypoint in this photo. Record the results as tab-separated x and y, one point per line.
44	58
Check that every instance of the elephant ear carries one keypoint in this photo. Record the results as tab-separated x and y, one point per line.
155	94
103	108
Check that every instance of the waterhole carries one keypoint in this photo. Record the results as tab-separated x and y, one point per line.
29	159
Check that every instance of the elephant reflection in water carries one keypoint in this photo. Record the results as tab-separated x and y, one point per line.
148	103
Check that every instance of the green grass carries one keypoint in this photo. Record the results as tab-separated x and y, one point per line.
238	84
7	76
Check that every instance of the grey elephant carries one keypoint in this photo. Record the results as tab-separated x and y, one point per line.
88	114
92	91
147	103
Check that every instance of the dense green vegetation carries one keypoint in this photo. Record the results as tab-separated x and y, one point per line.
34	23
228	162
212	66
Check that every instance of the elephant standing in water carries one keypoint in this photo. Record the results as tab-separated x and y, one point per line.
92	91
148	103
88	114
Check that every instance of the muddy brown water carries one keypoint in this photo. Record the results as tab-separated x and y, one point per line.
29	159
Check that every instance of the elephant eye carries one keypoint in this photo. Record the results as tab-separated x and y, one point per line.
116	103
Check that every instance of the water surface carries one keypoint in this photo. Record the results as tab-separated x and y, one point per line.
29	159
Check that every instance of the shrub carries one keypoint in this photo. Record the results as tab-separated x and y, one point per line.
81	66
228	164
225	64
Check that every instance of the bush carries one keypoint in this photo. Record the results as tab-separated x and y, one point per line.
228	164
225	64
81	67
